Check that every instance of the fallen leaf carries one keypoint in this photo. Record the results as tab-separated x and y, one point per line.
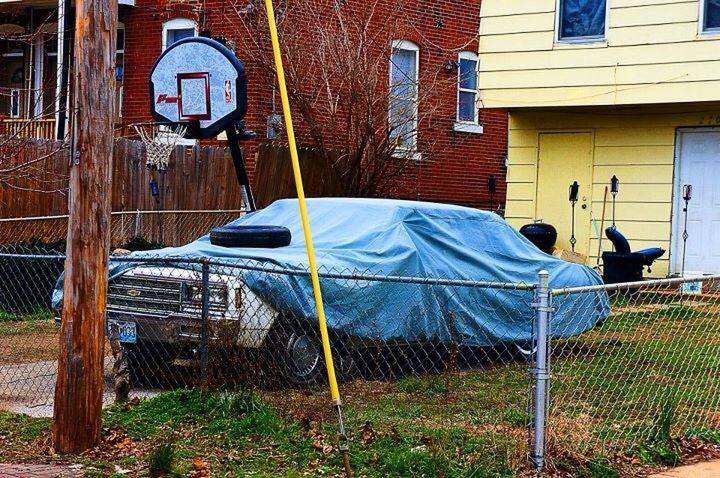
199	464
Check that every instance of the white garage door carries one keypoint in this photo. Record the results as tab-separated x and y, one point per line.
699	165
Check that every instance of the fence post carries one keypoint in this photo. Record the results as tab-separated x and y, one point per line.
204	317
543	310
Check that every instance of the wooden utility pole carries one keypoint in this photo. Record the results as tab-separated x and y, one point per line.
79	389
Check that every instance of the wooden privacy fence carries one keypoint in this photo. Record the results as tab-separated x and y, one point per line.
198	177
169	228
274	176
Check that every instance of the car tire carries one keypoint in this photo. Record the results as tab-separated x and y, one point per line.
250	236
297	353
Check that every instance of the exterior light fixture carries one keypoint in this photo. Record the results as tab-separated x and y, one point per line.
687	196
573	194
451	65
614	184
491	185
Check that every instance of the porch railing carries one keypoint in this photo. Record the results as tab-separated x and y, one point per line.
41	128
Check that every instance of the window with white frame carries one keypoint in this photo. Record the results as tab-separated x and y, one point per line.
177	29
403	104
581	20
710	16
467	111
119	69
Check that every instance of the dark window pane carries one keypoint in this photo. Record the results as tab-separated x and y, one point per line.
468	75
120	42
179	34
466	106
712	15
582	18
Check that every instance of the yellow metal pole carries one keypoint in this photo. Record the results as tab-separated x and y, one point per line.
332	379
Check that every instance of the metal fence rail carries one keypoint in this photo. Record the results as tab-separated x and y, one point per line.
139	229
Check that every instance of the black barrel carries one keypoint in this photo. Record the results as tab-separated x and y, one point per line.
542	235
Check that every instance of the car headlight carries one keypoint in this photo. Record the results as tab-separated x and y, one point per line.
217	295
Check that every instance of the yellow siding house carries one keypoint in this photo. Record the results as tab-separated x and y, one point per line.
596	88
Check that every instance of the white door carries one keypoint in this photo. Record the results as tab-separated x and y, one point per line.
699	165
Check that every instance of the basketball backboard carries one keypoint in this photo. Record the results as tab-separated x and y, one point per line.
200	82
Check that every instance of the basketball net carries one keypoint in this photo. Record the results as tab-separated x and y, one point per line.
160	141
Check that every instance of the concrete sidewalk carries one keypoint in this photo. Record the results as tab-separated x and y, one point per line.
708	469
35	471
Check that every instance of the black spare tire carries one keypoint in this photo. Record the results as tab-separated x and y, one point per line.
250	236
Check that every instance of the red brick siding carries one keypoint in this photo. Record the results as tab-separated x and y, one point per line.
461	163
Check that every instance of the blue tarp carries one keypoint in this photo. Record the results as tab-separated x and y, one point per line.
407	238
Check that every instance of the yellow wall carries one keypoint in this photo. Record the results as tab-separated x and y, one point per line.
653	53
637	145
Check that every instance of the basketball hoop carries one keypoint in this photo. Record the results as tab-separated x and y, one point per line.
160	140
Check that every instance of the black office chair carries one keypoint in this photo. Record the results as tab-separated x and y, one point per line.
623	265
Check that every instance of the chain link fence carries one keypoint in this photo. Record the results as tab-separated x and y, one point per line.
134	230
640	388
415	366
622	379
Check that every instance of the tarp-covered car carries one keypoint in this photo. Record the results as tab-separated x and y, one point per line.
391	240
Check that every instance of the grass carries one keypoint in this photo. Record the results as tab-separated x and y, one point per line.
38	314
641	379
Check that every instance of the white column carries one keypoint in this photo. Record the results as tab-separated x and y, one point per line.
38	64
60	61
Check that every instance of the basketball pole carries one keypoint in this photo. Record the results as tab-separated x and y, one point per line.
322	323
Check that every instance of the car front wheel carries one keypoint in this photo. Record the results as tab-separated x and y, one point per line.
296	349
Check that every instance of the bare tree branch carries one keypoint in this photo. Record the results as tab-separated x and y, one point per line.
337	57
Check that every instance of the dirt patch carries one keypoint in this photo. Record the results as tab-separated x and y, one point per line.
29	341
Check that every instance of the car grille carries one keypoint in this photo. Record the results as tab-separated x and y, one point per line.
145	294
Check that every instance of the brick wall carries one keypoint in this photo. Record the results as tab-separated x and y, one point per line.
459	167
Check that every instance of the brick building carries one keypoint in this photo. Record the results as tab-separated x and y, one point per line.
434	39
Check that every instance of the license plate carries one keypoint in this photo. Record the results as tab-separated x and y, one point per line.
127	330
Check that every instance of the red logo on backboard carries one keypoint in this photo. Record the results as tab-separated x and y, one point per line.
228	91
163	98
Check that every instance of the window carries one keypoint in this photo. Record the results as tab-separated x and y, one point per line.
120	52
119	70
402	121
581	19
710	16
467	110
14	103
177	29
